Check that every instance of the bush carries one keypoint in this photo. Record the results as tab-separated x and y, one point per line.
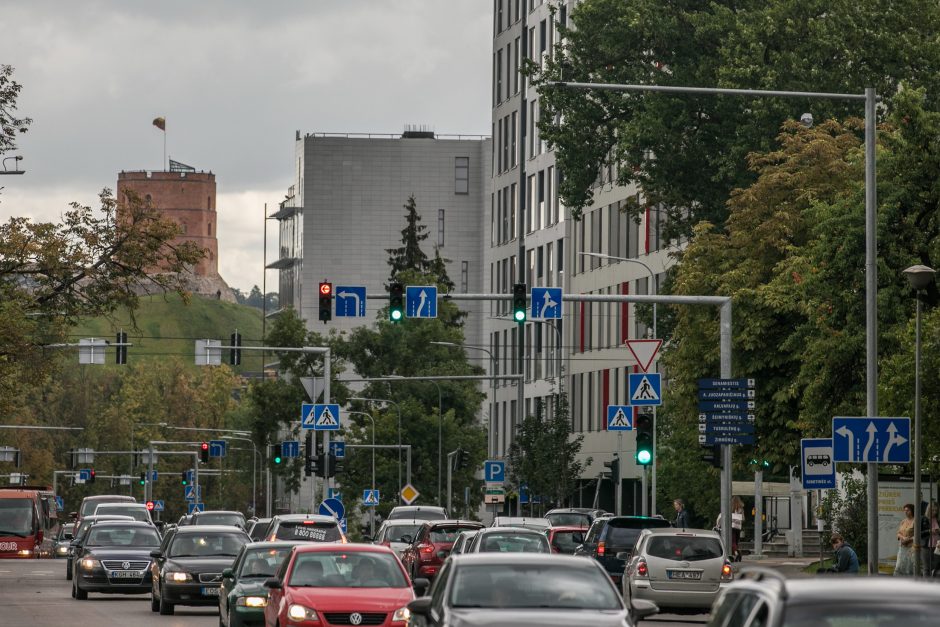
846	511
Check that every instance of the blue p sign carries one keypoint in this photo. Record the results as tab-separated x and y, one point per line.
494	471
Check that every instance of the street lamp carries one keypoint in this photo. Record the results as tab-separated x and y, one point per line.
385	400
370	417
919	277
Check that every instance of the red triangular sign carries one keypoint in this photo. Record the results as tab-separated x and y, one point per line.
644	351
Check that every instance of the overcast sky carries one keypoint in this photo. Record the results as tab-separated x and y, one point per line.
234	79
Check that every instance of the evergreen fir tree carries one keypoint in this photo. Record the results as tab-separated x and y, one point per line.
409	256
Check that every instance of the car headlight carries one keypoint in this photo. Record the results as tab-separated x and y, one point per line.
90	563
402	614
251	601
62	550
178	577
299	613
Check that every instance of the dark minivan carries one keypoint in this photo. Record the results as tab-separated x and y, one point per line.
614	534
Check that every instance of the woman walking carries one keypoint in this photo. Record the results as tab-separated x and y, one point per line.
905	563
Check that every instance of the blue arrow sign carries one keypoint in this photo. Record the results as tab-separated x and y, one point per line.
332	507
196	507
726	417
872	440
421	301
725	395
189	476
726	383
158	506
819	468
645	388
619	418
153	476
729	406
350	301
342	525
326	417
546	303
338	448
494	471
370	498
726	427
290	448
217	448
714	438
84	474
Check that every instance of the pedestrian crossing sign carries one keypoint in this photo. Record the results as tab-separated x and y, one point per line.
645	388
619	418
370	497
326	417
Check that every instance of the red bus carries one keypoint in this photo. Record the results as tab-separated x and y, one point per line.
28	522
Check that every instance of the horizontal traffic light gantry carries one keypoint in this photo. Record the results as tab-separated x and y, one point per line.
396	302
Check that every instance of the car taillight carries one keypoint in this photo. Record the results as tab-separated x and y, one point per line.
600	549
641	569
727	573
426	548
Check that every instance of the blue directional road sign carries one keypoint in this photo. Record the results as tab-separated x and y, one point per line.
153	476
873	440
370	498
726	417
421	301
342	525
290	448
189	476
196	507
645	388
494	471
725	395
721	438
726	383
619	418
192	492
728	406
326	417
338	449
158	506
332	507
819	469
350	301
217	448
84	474
546	303
742	428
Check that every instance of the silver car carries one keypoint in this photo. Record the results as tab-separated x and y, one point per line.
397	534
509	540
462	543
676	568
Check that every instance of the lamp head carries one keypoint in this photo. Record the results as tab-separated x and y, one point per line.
919	277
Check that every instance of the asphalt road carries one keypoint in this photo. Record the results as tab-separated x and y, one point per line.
35	592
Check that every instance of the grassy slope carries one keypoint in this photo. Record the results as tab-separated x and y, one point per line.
168	326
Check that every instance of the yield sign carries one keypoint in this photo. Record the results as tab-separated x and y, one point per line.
644	351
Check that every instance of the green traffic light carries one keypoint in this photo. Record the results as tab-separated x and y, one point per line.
519	315
644	457
396	315
185	482
277	460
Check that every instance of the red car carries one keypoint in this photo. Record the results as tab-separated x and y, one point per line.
340	584
566	539
432	544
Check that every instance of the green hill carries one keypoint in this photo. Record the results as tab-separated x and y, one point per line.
165	325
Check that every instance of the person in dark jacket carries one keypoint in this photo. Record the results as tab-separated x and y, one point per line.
846	561
682	515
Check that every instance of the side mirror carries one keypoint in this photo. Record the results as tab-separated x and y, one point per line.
156	554
275	584
641	608
227	573
421	607
623	555
420	586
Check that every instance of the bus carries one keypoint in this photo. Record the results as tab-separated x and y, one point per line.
29	521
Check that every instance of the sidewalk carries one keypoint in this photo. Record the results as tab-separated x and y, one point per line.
789	566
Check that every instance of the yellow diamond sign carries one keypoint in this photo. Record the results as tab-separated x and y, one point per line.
409	494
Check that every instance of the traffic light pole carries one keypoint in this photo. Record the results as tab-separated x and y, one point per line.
450	480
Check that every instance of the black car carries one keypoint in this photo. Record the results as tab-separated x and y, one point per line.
615	534
114	558
187	568
81	530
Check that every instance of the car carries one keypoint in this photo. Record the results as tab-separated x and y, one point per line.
761	596
509	540
529	522
334	584
257	527
79	538
573	516
90	503
137	511
218	517
305	527
114	558
566	539
462	543
431	545
680	569
397	534
525	590
63	539
184	520
187	570
243	596
611	535
417	512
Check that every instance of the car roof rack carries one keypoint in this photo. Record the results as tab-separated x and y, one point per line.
763	573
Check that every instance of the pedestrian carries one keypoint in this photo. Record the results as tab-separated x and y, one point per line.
930	532
905	562
682	515
737	525
846	561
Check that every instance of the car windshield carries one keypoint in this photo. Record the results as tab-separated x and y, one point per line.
445	535
207	544
567	541
140	537
684	548
308	530
262	562
397	533
568	519
232	520
16	517
257	532
863	614
514	543
347	570
513	586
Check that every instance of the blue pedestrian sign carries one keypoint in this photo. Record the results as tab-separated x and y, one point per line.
619	418
421	301
871	440
332	507
158	506
192	492
546	303
338	449
196	507
350	301
645	388
370	497
325	417
494	471
59	503
306	415
818	467
217	448
290	448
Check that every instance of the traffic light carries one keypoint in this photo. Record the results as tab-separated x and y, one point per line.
120	355
235	354
204	452
276	454
91	476
184	477
613	466
518	302
643	427
463	459
396	302
143	478
326	301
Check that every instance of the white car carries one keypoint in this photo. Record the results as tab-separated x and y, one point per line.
509	540
397	534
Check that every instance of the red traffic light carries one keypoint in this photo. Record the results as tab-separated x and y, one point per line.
205	446
326	289
150	506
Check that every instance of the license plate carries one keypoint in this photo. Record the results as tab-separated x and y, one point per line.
127	574
694	575
210	592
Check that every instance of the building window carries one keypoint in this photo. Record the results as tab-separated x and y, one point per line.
440	227
499	76
464	276
512	141
516	65
462	175
208	202
210	229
